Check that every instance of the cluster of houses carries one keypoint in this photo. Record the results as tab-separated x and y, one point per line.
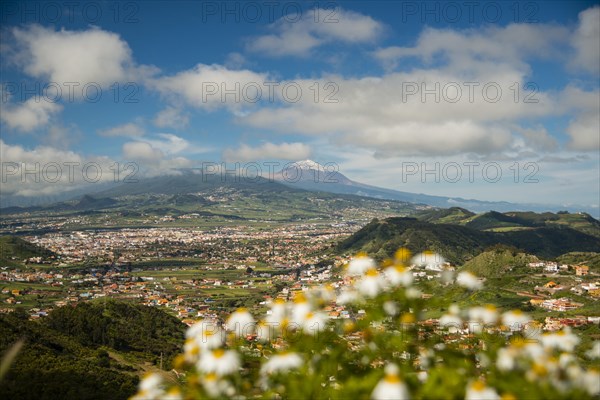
554	267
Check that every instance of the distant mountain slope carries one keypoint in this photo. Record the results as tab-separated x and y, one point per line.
460	243
215	198
311	175
509	221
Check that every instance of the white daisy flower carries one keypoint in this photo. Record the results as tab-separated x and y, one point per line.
391	386
241	323
371	284
220	362
399	275
428	259
279	309
390	308
563	340
300	308
413	293
468	280
191	350
482	317
172	394
207	334
452	320
505	360
314	322
216	387
594	352
266	331
200	327
211	339
590	381
479	391
150	387
347	296
281	363
533	350
359	265
515	319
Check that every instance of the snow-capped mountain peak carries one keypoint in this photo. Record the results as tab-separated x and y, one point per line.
308	164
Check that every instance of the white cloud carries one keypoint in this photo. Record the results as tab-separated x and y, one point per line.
61	136
586	41
212	86
141	151
538	138
584	127
161	154
50	170
129	129
472	49
235	60
297	35
585	132
171	117
32	114
152	160
470	98
172	144
378	113
284	151
90	56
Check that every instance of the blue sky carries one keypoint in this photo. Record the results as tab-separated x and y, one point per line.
375	87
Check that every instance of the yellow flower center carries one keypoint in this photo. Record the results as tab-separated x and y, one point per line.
400	268
407	318
349	326
387	262
371	272
211	377
539	369
300	298
218	353
402	254
392	378
478	386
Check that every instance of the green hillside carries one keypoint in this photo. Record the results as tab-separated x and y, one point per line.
452	215
460	243
14	251
592	260
382	238
92	351
513	220
497	262
121	326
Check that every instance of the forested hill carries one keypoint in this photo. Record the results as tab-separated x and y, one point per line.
459	243
76	352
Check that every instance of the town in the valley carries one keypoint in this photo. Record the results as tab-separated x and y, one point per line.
205	274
